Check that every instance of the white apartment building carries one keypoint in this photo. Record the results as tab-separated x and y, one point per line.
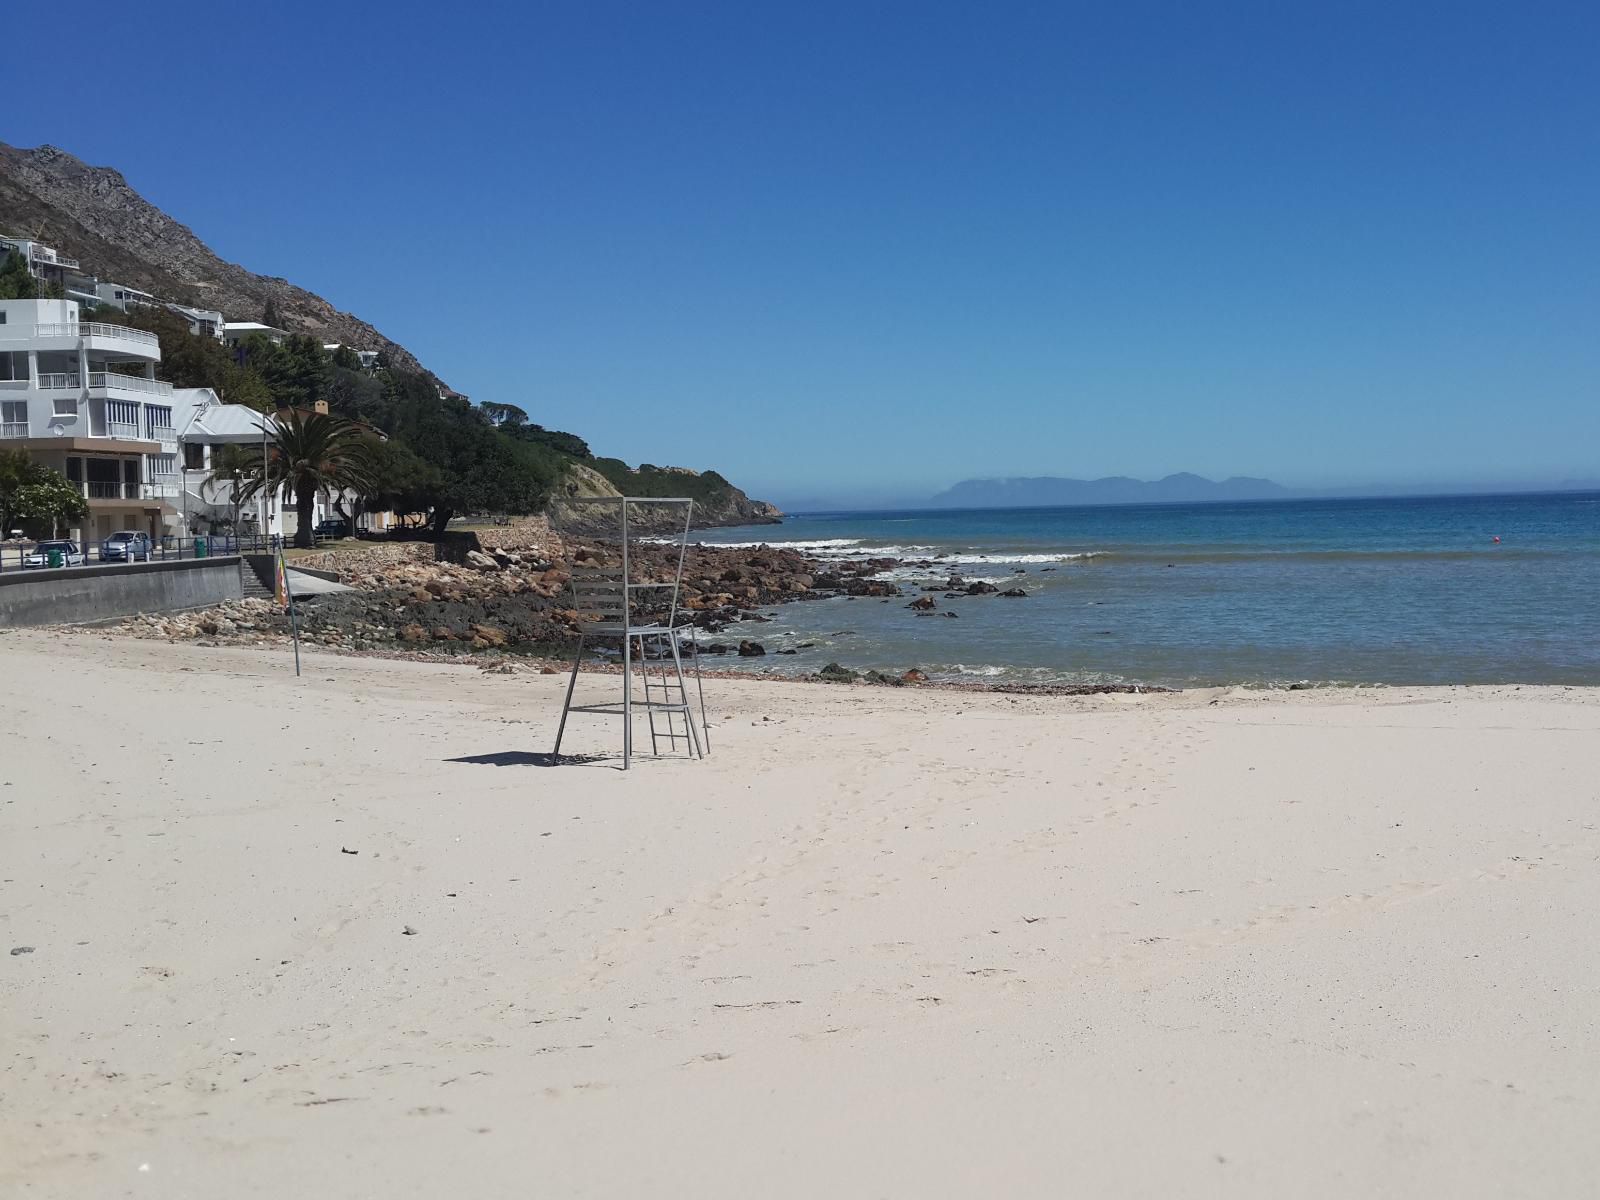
82	397
46	265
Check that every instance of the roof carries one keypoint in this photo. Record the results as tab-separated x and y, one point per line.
251	327
207	419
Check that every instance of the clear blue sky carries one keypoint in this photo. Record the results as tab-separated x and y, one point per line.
868	249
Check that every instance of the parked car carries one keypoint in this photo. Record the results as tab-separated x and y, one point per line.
129	545
332	528
71	556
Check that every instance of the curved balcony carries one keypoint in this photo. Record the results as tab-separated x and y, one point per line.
104	382
101	336
110	381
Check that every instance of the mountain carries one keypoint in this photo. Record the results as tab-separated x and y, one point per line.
91	214
1045	490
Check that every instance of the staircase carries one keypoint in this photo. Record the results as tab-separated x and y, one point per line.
255	574
252	585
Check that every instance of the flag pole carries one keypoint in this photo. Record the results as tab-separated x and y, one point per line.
286	598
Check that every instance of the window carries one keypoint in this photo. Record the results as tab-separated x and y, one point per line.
14	366
123	412
13	418
158	419
194	457
66	406
162	466
2	318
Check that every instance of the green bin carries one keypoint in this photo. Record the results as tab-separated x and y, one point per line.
57	559
200	548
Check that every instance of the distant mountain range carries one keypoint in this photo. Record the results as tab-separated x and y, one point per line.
1045	490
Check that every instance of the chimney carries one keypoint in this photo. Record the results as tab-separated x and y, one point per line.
320	406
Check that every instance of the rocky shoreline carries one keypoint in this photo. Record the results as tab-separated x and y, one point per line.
511	609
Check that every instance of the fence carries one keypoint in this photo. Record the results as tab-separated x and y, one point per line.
14	556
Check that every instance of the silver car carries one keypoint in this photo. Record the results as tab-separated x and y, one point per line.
128	545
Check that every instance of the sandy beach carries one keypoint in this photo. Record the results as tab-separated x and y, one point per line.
345	937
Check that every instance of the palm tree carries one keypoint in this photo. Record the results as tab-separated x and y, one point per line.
235	466
312	453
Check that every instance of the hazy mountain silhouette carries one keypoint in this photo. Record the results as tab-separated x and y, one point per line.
1114	489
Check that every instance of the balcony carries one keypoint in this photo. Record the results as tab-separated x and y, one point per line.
98	490
111	381
42	254
59	381
13	429
99	332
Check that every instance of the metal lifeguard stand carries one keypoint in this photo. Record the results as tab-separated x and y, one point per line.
607	597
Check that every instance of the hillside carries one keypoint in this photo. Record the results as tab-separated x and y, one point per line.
91	214
1039	491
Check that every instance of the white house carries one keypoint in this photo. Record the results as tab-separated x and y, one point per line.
369	358
205	424
234	332
82	397
120	295
46	265
205	322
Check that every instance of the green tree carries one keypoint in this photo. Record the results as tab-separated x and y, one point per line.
297	373
346	358
17	471
235	466
16	281
504	416
312	454
52	498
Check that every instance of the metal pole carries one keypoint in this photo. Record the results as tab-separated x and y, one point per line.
627	648
263	472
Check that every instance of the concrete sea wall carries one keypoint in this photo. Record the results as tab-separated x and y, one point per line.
77	595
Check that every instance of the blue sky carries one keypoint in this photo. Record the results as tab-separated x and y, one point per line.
861	251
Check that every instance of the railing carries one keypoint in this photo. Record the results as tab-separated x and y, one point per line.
97	489
129	383
13	429
95	329
126	430
171	546
56	381
13	554
41	254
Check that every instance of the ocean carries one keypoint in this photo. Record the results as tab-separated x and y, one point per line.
1369	591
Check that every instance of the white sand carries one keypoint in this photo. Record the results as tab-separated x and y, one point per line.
886	943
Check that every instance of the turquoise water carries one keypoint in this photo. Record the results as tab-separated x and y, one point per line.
1327	591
